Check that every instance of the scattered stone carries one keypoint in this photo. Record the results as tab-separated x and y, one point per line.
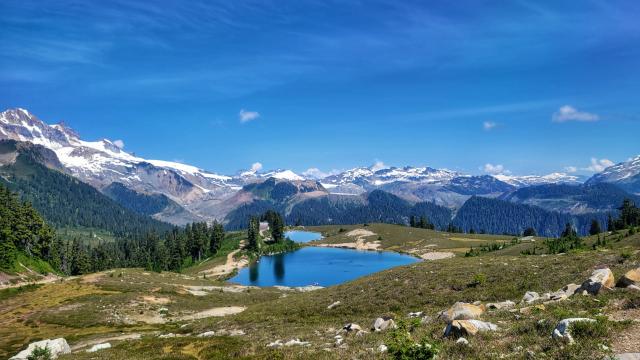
275	344
167	336
530	297
56	347
570	289
527	310
334	305
633	287
627	356
207	334
501	305
416	314
99	347
339	340
462	341
631	278
351	327
561	332
468	327
601	279
383	348
462	311
383	323
297	342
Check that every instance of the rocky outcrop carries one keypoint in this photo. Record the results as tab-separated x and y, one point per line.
382	324
600	280
56	347
462	311
631	278
468	327
561	332
501	305
99	347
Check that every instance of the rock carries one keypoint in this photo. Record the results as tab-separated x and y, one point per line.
426	320
561	332
297	342
468	327
56	347
462	311
334	305
382	348
207	334
351	327
527	310
382	324
501	305
275	344
530	297
99	347
633	287
167	336
627	356
601	279
339	340
632	277
416	314
570	289
462	341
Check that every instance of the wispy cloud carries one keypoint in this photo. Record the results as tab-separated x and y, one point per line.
119	144
570	169
598	165
315	173
378	165
569	113
489	125
495	169
246	116
256	166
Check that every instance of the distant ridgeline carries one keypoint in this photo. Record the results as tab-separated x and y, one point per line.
478	214
65	201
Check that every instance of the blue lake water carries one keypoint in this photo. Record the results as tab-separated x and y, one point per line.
316	265
302	236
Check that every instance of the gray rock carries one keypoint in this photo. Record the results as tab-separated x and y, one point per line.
570	289
462	341
601	279
561	332
468	327
56	347
627	356
382	324
530	297
334	305
501	305
207	334
383	348
351	327
99	347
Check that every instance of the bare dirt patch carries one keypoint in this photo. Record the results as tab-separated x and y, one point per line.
156	300
437	255
214	312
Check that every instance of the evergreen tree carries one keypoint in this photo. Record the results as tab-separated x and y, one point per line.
529	232
595	227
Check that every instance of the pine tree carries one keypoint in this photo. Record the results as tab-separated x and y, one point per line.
595	227
412	221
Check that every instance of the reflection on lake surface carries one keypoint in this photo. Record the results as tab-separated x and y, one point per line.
321	266
302	236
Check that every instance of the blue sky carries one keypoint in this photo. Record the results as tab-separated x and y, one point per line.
522	86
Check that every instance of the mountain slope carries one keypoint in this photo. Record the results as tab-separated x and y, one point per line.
625	174
61	199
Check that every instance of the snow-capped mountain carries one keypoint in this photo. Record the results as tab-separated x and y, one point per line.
102	162
625	174
531	180
368	178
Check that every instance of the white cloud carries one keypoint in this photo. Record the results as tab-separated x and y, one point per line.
598	165
246	116
315	173
256	166
495	169
569	113
570	169
378	165
489	125
119	144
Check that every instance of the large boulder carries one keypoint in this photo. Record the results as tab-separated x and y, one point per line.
531	297
570	289
382	324
462	311
561	332
501	305
468	327
600	280
56	347
631	278
351	327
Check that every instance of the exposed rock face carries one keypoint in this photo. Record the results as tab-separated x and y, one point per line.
468	327
561	332
56	347
531	297
600	280
632	277
382	324
462	311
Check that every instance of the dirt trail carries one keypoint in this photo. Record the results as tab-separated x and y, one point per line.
48	279
229	266
215	312
87	343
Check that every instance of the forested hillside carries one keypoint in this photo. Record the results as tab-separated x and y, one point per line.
67	202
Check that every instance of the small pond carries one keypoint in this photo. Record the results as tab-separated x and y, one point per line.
318	266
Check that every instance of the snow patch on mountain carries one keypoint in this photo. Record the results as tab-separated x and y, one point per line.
530	180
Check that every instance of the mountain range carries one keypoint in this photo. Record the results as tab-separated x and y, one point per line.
180	193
